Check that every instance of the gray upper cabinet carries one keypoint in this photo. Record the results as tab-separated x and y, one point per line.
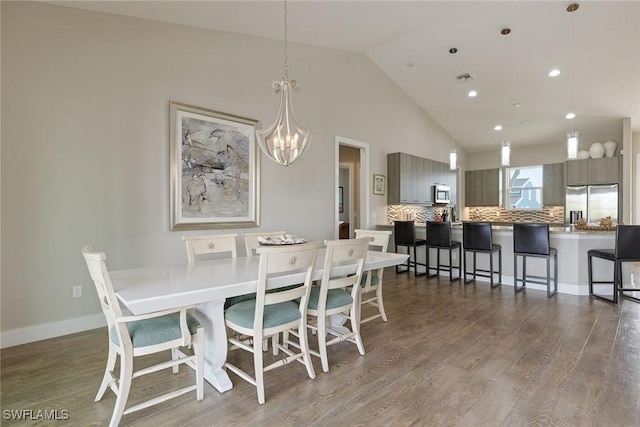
482	187
593	171
410	179
578	172
606	170
406	183
553	191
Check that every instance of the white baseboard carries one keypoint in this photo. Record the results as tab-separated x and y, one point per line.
51	330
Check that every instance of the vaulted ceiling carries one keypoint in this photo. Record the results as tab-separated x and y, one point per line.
596	49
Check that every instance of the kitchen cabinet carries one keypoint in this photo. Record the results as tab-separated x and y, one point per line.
578	172
553	191
483	187
410	179
407	181
605	170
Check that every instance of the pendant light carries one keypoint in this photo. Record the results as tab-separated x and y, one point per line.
572	136
286	140
453	153
505	151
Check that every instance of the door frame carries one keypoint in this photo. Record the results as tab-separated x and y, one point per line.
363	202
349	168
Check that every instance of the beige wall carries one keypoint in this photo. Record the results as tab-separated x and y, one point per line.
85	144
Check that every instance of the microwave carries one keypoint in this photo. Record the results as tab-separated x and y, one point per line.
441	194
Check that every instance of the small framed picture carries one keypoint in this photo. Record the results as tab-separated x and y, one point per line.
378	184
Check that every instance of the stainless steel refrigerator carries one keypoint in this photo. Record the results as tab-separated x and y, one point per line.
594	201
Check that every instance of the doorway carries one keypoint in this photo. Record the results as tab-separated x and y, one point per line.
352	187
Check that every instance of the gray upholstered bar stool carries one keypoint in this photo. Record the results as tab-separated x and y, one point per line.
532	240
439	237
404	235
477	238
627	250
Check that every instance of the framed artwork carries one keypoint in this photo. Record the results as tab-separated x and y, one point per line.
215	169
340	199
378	184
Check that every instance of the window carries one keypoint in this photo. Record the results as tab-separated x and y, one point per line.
524	187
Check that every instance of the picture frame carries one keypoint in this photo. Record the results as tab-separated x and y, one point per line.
379	183
214	169
340	199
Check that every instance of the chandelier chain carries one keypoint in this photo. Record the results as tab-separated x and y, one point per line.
286	58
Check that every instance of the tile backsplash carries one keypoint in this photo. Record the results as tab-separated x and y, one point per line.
421	214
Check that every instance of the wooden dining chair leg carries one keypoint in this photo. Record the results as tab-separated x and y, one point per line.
107	379
322	342
303	339
124	386
259	371
354	315
379	302
174	356
198	348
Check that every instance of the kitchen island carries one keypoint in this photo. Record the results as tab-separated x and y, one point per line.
572	246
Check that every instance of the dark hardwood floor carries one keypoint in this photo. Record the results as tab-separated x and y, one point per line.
450	355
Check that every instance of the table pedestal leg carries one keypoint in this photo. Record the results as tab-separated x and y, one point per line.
211	316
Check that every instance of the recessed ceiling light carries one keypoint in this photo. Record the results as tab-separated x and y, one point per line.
526	122
497	127
410	64
570	116
516	105
554	73
472	93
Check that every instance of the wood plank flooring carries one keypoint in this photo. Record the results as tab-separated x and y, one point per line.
450	355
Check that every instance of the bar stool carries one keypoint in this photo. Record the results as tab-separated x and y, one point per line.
627	250
439	237
404	233
532	240
477	238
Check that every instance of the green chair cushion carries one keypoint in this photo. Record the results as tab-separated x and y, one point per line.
244	313
374	280
335	298
161	329
235	300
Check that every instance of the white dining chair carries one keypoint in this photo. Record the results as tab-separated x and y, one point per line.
140	335
333	299
251	242
271	313
210	244
372	280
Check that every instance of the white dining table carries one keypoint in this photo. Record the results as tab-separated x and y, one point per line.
206	285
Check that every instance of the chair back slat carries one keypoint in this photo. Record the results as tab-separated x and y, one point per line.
477	236
108	300
439	233
378	239
628	242
345	252
404	233
531	239
277	260
251	240
210	244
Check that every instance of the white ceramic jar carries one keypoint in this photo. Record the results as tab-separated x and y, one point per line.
583	154
596	151
610	148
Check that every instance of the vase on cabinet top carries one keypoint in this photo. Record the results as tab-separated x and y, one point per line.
610	148
596	151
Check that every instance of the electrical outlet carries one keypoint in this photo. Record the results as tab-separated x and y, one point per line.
77	291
